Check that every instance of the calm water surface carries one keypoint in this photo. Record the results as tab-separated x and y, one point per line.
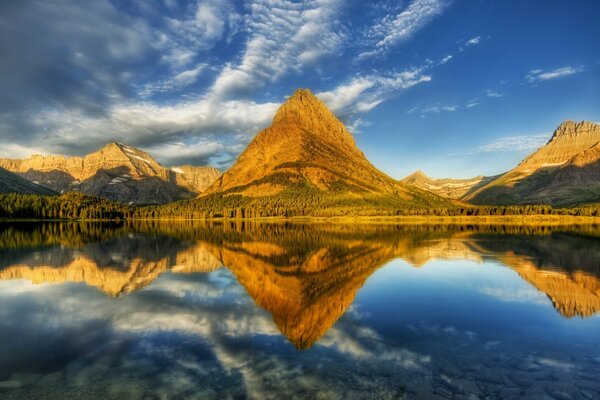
235	311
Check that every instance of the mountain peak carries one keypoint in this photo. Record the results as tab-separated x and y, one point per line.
307	112
308	154
571	128
420	174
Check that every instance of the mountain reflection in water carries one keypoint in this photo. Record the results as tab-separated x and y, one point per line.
191	310
305	276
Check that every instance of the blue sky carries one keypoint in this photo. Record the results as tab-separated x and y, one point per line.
454	88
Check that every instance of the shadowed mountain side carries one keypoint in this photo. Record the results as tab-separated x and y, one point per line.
13	183
116	185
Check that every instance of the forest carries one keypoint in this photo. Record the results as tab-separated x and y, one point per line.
76	206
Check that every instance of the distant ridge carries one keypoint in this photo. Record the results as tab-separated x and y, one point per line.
446	187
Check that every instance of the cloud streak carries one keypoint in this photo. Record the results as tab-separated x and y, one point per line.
539	75
393	29
515	143
473	41
284	36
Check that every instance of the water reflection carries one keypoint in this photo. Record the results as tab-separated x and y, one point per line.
178	312
306	276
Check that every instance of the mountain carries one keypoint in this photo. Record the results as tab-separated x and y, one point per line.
116	172
13	183
307	163
446	187
197	179
564	172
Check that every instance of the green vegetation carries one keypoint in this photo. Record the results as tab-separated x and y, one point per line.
67	206
290	203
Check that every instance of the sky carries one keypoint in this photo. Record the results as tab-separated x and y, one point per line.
453	88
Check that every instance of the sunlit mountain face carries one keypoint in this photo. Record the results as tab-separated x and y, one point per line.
256	310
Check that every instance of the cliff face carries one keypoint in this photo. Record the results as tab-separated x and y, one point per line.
196	179
569	140
564	172
117	172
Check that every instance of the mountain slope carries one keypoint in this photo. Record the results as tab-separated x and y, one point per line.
13	183
564	172
116	172
446	187
307	163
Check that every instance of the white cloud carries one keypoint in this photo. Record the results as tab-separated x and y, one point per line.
472	104
183	39
362	94
284	36
537	75
493	94
393	29
473	41
432	109
446	59
178	133
178	81
512	295
515	143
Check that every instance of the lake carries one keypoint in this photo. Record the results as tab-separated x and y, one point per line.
239	310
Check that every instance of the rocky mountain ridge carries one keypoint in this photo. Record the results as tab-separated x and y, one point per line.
117	172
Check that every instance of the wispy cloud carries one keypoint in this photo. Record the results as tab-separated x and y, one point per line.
473	41
362	94
393	29
283	36
446	59
187	132
493	94
515	143
537	75
432	109
178	81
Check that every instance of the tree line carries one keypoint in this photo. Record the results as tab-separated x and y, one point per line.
77	206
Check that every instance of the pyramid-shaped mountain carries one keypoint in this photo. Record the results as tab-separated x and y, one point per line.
116	172
563	172
307	163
